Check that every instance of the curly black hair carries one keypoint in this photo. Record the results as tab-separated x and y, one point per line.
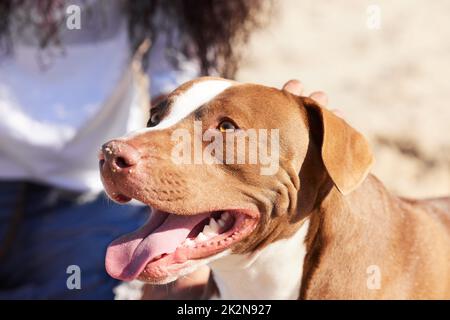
216	28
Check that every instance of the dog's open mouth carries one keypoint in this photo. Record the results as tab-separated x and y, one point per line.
167	242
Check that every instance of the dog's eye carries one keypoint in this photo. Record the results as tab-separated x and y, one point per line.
155	118
226	125
157	112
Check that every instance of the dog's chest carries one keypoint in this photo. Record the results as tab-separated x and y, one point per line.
273	273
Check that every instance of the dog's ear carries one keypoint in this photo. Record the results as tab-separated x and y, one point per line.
345	152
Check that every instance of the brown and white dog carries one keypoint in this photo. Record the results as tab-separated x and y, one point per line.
319	227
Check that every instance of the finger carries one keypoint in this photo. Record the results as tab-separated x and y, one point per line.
338	112
320	97
294	86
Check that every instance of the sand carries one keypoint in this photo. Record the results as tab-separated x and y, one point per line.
391	83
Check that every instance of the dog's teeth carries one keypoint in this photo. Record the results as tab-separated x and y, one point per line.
208	231
221	223
189	243
225	215
201	237
213	225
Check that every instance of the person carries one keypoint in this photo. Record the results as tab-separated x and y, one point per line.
66	88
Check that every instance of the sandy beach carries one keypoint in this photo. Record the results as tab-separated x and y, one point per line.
390	82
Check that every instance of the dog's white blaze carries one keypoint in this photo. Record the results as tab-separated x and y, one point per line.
186	103
273	273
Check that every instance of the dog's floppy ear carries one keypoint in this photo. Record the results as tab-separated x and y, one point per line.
345	152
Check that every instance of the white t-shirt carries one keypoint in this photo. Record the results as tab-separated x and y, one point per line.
53	120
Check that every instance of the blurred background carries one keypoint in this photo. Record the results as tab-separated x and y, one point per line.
67	87
390	82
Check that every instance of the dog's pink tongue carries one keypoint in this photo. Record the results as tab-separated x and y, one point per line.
127	256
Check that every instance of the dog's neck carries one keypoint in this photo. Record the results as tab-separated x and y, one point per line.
275	272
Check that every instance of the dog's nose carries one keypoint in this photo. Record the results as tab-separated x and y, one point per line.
119	155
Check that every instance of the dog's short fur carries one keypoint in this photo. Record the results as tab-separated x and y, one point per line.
327	229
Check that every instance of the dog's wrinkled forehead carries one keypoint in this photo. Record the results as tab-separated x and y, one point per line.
185	100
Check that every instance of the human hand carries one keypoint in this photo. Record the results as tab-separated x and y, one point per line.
296	87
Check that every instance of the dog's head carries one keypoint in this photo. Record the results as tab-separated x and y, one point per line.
227	168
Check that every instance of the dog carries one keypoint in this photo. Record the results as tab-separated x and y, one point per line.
318	226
